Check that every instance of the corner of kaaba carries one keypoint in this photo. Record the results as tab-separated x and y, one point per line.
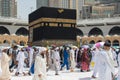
49	25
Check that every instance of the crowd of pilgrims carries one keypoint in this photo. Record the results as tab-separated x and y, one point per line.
102	59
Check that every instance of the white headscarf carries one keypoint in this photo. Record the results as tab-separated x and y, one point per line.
41	49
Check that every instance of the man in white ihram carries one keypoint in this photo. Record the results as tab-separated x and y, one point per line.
72	59
31	50
106	65
20	59
40	66
119	66
5	65
56	59
96	51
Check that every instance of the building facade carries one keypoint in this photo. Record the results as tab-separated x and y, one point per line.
86	11
69	4
13	31
54	3
102	8
40	3
8	8
96	30
94	2
89	8
103	11
57	3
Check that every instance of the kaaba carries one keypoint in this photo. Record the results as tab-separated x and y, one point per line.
51	12
48	24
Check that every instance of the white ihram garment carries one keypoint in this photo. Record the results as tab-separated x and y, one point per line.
31	56
96	60
72	58
106	67
20	59
5	67
40	68
56	59
119	66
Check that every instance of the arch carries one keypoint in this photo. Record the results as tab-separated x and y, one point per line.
4	30
22	31
92	42
79	32
0	42
22	43
99	41
6	41
14	42
95	31
115	30
115	43
108	41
